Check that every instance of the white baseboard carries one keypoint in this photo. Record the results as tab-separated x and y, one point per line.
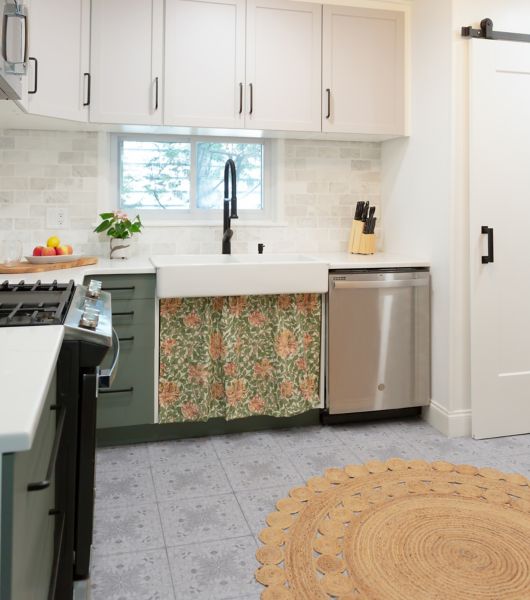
456	423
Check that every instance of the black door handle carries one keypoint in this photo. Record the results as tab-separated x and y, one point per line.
35	76
89	88
489	232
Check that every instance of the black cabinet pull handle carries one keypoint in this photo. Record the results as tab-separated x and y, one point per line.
116	289
120	391
240	98
127	339
88	90
57	554
489	258
36	76
45	483
156	93
251	88
328	92
129	313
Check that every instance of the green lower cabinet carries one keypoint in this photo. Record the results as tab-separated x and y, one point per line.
131	399
26	527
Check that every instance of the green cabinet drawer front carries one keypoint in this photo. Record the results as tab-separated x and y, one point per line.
125	287
133	312
142	335
130	400
30	541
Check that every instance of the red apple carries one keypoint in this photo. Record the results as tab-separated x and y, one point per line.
64	249
37	251
46	251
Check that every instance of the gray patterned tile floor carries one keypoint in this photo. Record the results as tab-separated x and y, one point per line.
179	520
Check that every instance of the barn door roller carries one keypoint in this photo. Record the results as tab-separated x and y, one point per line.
486	32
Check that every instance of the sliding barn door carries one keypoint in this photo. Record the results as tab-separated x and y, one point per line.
500	237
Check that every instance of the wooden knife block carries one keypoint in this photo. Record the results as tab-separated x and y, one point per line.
354	243
359	242
367	243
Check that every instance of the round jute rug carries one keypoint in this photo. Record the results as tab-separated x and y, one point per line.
400	530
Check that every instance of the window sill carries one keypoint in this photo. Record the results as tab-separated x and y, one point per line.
215	224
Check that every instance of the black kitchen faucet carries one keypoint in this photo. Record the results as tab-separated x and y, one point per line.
229	206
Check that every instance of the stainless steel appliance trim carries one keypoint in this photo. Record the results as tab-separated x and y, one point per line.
378	340
392	283
107	376
103	333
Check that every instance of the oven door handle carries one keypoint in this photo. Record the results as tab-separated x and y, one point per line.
106	376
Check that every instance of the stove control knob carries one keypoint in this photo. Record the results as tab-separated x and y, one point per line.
94	288
89	319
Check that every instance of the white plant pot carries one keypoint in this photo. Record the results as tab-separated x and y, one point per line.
120	249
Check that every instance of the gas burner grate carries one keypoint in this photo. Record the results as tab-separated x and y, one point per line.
23	304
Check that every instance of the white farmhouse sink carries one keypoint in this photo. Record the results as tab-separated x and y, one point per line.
192	275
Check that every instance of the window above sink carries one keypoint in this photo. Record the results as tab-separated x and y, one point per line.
179	179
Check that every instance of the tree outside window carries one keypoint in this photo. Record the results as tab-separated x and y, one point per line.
187	175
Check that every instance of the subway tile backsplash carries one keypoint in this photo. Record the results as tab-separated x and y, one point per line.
316	183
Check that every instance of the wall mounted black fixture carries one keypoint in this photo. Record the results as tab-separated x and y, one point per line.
485	230
486	33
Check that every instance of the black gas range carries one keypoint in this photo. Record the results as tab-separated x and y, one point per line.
85	313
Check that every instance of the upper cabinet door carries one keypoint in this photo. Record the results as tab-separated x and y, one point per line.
363	87
283	65
59	37
204	63
126	61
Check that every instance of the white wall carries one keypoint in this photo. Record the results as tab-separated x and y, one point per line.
425	185
416	174
509	15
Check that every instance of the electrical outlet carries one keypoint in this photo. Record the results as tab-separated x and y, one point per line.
56	218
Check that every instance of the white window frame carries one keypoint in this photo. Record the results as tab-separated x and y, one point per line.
194	215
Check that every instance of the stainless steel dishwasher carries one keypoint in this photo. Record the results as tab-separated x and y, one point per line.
378	354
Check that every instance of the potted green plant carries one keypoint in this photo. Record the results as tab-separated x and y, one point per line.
119	228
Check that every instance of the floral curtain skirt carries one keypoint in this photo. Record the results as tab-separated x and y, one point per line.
239	356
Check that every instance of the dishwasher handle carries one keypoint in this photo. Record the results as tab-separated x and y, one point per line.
392	283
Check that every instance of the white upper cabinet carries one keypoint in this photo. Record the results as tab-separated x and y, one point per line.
363	79
283	65
126	55
59	47
204	63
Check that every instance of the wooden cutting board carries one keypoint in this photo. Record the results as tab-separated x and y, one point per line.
26	267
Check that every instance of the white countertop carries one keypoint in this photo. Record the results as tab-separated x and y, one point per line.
28	354
27	362
138	265
104	266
